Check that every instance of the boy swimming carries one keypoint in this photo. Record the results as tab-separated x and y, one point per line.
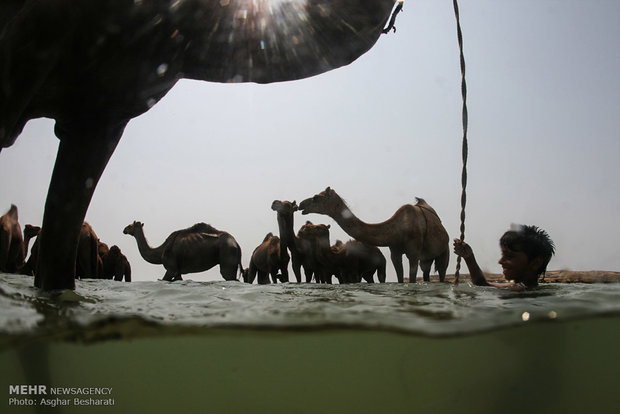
526	251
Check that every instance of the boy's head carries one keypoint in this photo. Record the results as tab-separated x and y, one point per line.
534	242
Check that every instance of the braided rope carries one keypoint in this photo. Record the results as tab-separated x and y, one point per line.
465	146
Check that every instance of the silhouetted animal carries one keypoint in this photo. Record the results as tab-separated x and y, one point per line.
92	66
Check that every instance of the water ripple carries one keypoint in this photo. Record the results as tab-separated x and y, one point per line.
424	308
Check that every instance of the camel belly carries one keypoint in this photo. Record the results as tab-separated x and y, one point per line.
188	262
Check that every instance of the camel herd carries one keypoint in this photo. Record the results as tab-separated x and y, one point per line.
414	230
95	260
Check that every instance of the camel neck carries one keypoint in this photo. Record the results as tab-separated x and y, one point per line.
324	252
374	234
26	244
151	255
287	234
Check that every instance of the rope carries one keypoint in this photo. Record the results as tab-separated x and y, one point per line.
391	26
464	147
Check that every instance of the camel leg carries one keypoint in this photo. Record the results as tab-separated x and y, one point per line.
229	258
284	271
251	273
83	153
413	269
309	274
368	276
441	264
296	263
229	271
381	273
263	278
397	261
169	276
5	243
426	265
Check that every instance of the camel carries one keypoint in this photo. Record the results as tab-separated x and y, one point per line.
363	261
307	244
30	232
350	261
268	259
87	262
324	264
414	230
11	242
114	264
299	248
195	249
92	66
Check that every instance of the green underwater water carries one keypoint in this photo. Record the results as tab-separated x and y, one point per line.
307	349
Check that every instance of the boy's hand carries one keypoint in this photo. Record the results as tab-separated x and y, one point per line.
462	249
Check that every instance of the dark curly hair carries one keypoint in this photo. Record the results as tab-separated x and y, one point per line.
531	240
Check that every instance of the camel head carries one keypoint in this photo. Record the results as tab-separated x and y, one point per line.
326	202
31	231
284	207
102	249
245	274
131	229
115	250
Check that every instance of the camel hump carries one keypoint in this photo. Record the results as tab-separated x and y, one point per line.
203	228
187	242
268	236
420	202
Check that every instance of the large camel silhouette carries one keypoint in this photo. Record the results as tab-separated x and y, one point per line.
195	249
94	65
414	230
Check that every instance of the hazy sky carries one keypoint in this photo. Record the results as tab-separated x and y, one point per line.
544	106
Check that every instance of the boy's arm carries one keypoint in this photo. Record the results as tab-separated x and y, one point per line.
465	251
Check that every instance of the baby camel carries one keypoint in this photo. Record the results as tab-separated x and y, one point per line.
268	259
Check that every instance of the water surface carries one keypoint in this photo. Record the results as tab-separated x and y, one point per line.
227	347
